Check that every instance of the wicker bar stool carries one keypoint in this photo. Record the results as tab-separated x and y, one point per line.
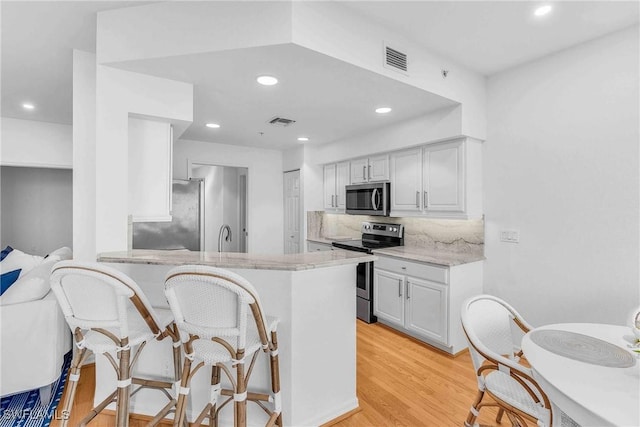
494	329
211	307
108	314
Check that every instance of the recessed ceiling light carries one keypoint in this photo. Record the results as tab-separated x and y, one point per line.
28	106
303	139
267	80
213	125
383	110
542	10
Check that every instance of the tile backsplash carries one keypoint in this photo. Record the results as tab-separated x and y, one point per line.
447	235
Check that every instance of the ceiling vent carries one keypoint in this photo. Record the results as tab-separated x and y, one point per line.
281	121
394	59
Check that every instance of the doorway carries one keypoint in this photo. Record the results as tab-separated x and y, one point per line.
224	210
292	212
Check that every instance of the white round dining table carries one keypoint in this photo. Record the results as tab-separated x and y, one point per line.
594	392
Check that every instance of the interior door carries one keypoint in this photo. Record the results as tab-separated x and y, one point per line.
292	212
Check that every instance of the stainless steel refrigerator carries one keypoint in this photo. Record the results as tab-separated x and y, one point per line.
185	230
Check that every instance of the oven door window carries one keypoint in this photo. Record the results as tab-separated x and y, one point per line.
363	279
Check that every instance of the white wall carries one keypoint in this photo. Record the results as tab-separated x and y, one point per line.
337	31
561	166
36	209
35	144
180	28
264	186
84	156
119	94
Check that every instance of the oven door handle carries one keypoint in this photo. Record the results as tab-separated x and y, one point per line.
374	195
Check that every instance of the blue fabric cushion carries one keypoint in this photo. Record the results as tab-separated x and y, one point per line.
5	252
8	279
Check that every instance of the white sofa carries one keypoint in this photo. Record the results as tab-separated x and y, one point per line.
34	334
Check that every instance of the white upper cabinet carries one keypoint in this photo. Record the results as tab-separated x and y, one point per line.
444	177
438	180
330	186
150	170
378	168
406	180
336	178
342	180
370	169
359	171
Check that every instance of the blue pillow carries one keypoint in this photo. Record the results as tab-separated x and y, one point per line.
8	279
5	252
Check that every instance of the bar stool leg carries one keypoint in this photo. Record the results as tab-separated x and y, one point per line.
215	384
122	401
74	377
275	376
473	411
240	405
182	398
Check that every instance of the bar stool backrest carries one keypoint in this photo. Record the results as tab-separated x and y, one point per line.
93	295
490	325
212	302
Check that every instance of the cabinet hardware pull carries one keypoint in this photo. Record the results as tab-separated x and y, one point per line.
426	200
417	199
369	171
408	296
336	200
400	287
364	171
332	201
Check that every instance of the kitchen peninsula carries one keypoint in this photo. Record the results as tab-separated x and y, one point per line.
314	296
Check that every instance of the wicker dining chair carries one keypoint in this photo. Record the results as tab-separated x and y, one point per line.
494	329
109	315
222	325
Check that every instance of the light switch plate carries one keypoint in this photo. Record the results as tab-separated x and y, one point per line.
510	236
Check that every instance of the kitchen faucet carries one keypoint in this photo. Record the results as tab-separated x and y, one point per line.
221	234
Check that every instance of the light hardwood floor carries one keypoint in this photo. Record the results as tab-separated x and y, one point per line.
401	382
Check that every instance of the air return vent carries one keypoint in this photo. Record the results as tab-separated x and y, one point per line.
281	121
395	59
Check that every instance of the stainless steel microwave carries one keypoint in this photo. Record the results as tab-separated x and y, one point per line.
369	199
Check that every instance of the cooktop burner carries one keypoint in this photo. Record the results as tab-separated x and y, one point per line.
375	236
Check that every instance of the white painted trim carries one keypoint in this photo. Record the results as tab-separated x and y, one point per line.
151	218
35	165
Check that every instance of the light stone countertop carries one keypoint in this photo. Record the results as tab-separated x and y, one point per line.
290	262
327	240
413	253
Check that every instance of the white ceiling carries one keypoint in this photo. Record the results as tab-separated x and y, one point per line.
38	38
491	36
329	99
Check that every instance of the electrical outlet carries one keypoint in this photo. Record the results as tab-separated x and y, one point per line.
510	236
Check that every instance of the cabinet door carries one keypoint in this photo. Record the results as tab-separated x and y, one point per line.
427	312
406	180
359	171
330	186
378	168
388	291
444	177
150	170
342	180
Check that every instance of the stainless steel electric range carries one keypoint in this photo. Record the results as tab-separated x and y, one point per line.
375	235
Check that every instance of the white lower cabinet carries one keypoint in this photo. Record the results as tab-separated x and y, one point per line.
387	301
424	300
427	309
